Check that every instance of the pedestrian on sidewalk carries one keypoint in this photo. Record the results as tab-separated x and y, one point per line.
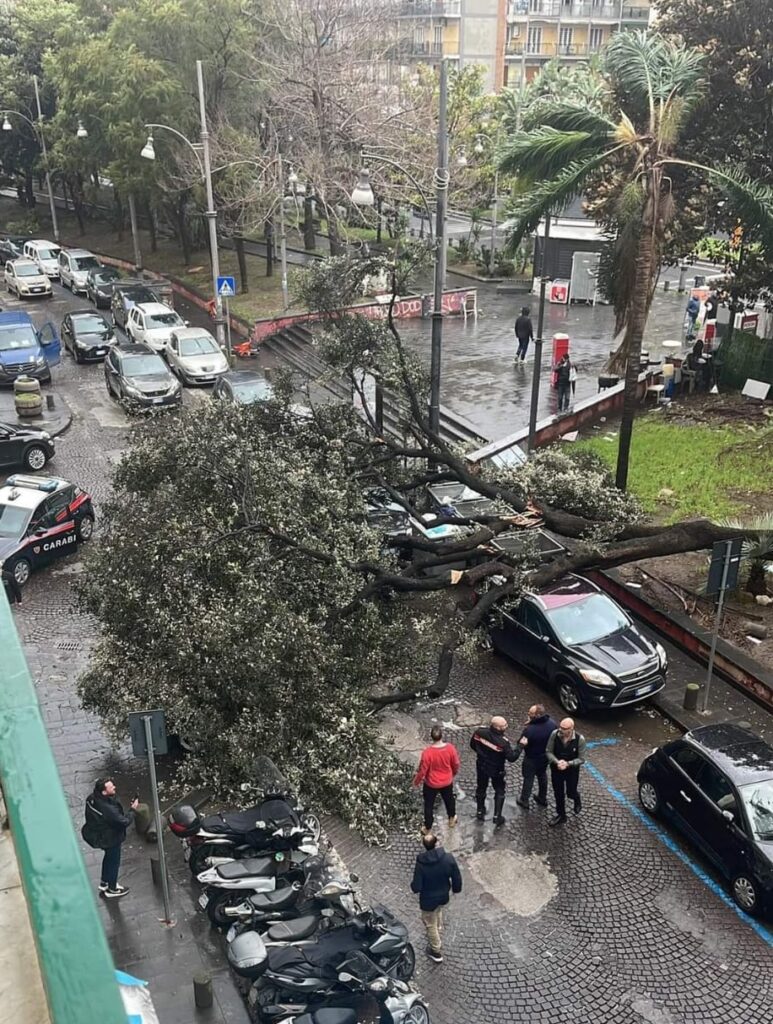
524	333
563	382
712	307
105	829
11	587
435	874
691	315
573	378
493	750
566	754
438	767
534	740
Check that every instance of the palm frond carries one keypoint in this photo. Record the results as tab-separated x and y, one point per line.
543	152
568	117
654	70
751	201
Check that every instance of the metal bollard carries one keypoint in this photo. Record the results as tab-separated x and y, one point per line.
690	702
202	990
50	401
666	286
155	869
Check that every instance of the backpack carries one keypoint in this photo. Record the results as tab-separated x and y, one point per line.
93	832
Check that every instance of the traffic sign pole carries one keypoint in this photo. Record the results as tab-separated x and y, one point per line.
722	587
146	721
228	327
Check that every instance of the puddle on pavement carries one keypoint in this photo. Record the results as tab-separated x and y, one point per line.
521	883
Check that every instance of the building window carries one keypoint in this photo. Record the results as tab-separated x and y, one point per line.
437	40
565	35
534	44
596	39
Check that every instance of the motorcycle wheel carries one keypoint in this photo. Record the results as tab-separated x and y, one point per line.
418	1014
406	965
313	824
218	903
199	854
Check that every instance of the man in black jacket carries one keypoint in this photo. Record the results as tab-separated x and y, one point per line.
566	755
436	872
106	824
534	740
524	333
493	750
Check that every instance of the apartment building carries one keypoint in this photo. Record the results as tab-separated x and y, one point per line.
511	39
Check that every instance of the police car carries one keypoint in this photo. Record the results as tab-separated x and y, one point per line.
41	519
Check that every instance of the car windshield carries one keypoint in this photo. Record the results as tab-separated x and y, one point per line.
586	620
201	345
26	270
17	337
104	276
91	324
251	390
13	520
163	320
48	254
143	366
85	262
758	800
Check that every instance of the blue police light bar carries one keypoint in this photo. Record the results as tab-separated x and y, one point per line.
43	484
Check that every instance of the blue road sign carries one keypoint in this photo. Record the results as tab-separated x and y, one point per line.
226	287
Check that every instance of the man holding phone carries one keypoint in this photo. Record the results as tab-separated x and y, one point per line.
105	829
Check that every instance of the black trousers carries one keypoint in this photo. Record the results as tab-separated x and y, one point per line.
564	785
430	796
481	789
523	348
563	396
111	862
534	768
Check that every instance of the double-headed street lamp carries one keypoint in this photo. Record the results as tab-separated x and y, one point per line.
37	128
201	151
362	195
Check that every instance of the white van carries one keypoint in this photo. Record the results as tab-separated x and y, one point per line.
74	266
45	254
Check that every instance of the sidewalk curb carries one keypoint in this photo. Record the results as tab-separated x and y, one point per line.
41	423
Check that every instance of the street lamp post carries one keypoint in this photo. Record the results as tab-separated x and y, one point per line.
37	128
201	152
538	340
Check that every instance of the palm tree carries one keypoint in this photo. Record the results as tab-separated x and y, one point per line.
628	138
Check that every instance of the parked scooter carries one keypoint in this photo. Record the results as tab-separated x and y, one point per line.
368	995
307	969
220	837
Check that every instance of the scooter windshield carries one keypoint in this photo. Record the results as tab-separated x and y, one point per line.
268	780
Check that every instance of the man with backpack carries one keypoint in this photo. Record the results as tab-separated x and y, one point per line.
105	829
435	874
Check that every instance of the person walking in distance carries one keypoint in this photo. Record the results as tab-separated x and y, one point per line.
105	829
563	382
524	333
438	768
565	752
493	751
434	875
534	740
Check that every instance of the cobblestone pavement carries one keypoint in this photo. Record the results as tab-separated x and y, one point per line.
599	921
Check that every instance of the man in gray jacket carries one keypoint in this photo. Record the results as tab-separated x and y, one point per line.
565	753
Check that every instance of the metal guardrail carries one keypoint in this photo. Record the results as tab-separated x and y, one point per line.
537	9
74	958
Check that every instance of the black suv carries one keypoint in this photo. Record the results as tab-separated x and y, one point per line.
716	785
41	519
582	644
127	294
25	446
138	376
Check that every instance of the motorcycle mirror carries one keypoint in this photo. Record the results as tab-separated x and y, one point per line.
244	787
344	976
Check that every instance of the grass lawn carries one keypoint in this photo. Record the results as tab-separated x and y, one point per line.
712	471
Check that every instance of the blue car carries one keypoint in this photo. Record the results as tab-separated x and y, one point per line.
26	349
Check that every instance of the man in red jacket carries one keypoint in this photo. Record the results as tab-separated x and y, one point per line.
438	767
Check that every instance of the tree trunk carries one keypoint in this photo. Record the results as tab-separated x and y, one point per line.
640	308
239	247
182	227
151	226
119	215
77	201
337	247
309	232
269	232
378	220
29	191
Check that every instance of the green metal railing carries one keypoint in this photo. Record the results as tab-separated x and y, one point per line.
75	961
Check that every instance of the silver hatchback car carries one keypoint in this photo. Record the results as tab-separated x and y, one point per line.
195	356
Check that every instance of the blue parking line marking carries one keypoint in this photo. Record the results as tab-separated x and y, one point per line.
609	741
667	841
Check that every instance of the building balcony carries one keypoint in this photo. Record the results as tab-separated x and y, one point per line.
516	49
430	9
580	10
408	49
639	13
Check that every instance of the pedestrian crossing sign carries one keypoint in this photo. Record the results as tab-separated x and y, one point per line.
226	287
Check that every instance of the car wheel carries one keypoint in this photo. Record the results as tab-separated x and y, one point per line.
569	697
85	528
35	457
76	354
649	797
21	570
746	894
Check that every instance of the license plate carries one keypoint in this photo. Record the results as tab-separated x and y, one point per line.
157	401
642	689
230	935
36	290
203	901
100	351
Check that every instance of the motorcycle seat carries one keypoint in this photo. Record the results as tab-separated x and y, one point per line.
259	867
294	930
330	1015
276	813
239	823
279	899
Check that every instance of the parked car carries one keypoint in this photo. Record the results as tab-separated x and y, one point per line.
581	644
45	254
87	335
716	785
23	445
243	386
74	266
153	324
137	374
41	519
195	356
25	349
24	277
125	295
9	250
99	285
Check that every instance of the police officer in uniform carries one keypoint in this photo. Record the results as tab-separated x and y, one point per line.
493	751
566	754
